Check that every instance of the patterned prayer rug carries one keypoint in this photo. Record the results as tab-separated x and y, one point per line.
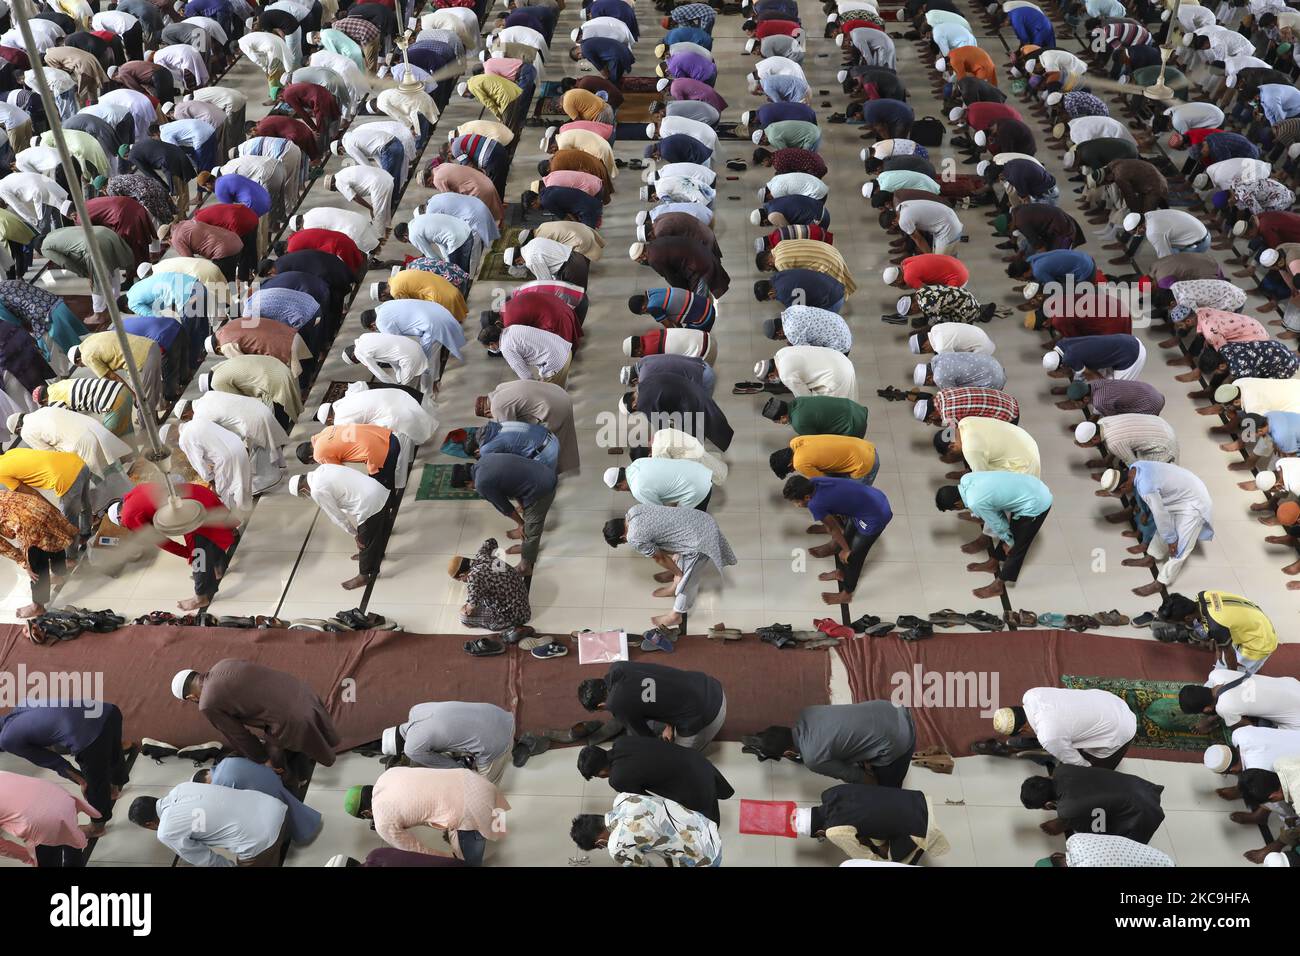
435	485
494	264
1161	724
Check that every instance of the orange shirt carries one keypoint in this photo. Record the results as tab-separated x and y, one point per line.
816	456
972	61
342	443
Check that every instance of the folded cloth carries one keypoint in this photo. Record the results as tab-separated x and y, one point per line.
454	444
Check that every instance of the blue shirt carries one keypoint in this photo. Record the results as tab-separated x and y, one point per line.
799	210
469	209
426	322
513	438
1054	266
608	56
233	188
680	148
775	112
1279	102
169	291
997	497
866	507
784	87
291	308
1098	352
312	285
1032	26
680	34
1221	146
162	329
1284	429
950	36
562	201
500	478
187	132
806	287
240	773
33	733
620	11
1028	178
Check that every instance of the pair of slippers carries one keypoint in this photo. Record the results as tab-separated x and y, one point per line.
156	750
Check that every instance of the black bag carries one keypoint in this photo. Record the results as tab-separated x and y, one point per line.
928	132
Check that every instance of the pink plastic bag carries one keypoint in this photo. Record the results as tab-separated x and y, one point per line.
767	817
602	647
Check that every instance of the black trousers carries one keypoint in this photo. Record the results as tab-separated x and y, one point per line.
576	270
282	417
103	764
387	474
207	564
372	536
1023	532
42	562
1107	763
704	502
859	547
893	774
59	857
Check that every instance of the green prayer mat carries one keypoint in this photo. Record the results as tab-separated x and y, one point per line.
435	485
1161	724
494	263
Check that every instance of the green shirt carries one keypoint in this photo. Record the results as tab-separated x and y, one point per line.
66	248
793	134
827	415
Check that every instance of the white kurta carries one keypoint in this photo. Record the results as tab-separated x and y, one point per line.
61	429
221	460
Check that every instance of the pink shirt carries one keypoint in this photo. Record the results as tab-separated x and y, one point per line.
503	66
603	130
1219	327
39	813
406	797
574	179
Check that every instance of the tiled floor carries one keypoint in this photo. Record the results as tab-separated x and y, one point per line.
1074	566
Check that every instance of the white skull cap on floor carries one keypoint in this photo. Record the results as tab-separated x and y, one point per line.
1085	432
1268	258
890	275
1131	221
919	373
1052	360
1030	290
1109	480
1217	758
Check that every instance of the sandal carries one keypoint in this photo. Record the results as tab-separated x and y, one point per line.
833	628
934	758
1052	620
528	745
879	629
918	633
911	620
737	165
823	642
747	388
984	621
516	634
656	640
861	624
947	618
1112	618
579	731
533	641
1021	618
724	634
484	647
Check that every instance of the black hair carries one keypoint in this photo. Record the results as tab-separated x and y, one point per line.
637	452
528	198
797	488
1019	719
1195	698
490	334
763	261
943	440
637	303
1208	360
306	454
762	155
774	743
1257	422
591	761
144	811
200	776
586	829
592	693
762	290
368	318
1092	23
1019	268
1037	792
947	497
1259	785
613	531
781	461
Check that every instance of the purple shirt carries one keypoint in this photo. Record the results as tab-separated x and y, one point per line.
692	65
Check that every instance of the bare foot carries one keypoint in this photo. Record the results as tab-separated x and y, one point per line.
515	534
831	576
989	566
515	549
663	577
31	610
817	529
823	550
360	581
525	569
990	590
666	620
665	591
975	547
193	604
1229	793
93	829
1147	562
1147	590
837	597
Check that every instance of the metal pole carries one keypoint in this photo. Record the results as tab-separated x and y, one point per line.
99	271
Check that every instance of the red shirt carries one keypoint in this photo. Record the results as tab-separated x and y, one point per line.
1097	314
541	310
1275	228
296	131
327	240
126	217
773	28
933	269
140	503
234	216
313	99
1197	136
981	115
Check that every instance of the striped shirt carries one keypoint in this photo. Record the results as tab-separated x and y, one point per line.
94	395
534	353
954	404
1134	437
681	308
1115	396
817	256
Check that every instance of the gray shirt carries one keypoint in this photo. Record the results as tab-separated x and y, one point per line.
435	730
683	531
194	818
837	739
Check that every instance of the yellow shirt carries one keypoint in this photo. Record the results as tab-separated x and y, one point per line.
988	444
202	269
494	92
418	284
588	142
816	255
47	470
1250	628
489	128
817	456
101	354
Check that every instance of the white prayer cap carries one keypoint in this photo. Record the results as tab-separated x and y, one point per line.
744	117
1053	99
763	367
640	234
336	148
11	423
375	289
750	44
1052	360
1293	151
1004	721
1030	290
663	84
760	244
661	49
1277	859
1200	180
510	255
981	166
890	275
921	409
610	477
1217	758
862	154
295	484
832	17
955	114
1085	432
111	71
841	76
642	216
169	433
338	859
73	353
462	89
1187	39
625	375
210	343
756	217
914	344
323	413
1015	71
627	345
1264	481
980	138
1131	221
182	407
114	513
919	373
1268	258
143	269
867	189
803	821
1068	161
1031	65
1239	227
941	65
182	677
904	305
636	250
205	383
388	742
524	235
756	137
65	207
648	176
1109	480
577	32
839	39
650	130
1231	81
